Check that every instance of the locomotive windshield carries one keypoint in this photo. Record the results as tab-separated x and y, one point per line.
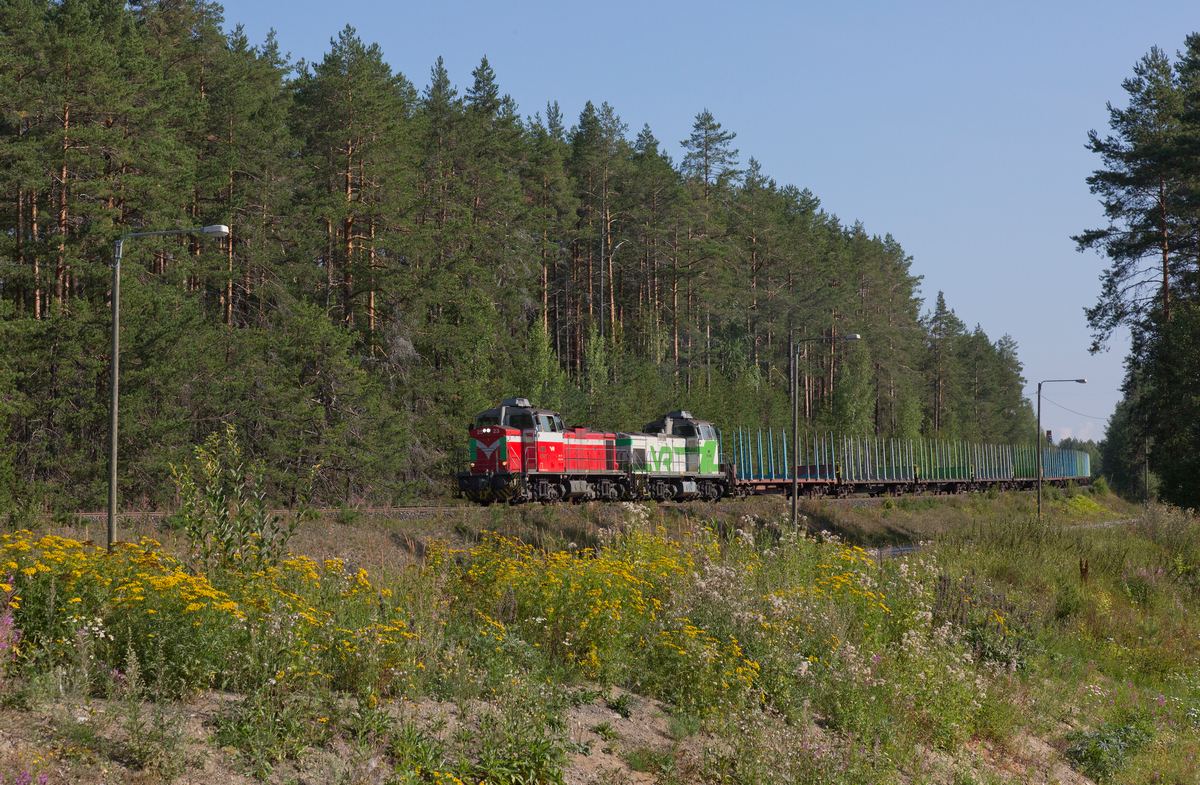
543	421
686	426
520	420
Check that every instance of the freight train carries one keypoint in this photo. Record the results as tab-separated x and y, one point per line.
520	453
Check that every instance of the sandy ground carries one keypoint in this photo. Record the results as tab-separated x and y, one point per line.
41	742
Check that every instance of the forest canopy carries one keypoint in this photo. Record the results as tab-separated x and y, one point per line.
402	257
1149	185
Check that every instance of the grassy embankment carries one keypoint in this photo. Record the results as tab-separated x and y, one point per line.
778	656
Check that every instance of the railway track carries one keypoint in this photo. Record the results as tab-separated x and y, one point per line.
403	513
419	511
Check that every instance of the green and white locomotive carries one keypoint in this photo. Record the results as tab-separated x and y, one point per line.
677	457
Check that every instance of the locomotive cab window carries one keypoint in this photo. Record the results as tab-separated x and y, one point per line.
558	424
487	419
546	423
685	430
521	420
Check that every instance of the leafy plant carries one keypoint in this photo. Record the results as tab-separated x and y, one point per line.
623	704
225	512
646	759
582	697
414	751
1101	753
682	725
270	725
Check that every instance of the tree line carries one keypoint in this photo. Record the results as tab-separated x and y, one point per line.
1149	184
404	257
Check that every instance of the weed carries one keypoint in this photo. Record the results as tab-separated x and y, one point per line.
583	697
369	720
414	750
269	726
682	725
225	511
648	760
152	736
1068	601
623	704
749	636
1101	753
347	515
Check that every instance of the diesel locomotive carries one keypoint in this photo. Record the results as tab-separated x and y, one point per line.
520	453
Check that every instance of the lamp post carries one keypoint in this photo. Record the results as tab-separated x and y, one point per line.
217	230
796	409
1039	434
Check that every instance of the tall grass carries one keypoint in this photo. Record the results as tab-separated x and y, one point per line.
803	658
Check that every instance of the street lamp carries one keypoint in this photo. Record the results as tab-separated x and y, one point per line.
1039	434
796	408
217	230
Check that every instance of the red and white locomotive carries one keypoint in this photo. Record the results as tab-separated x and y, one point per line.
522	453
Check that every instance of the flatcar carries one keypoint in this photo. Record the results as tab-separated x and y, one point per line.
521	453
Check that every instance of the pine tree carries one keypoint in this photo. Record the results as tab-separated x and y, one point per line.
709	161
657	197
245	162
550	194
1170	409
352	115
1140	187
944	333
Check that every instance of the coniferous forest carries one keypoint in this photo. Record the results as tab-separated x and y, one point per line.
404	253
1149	185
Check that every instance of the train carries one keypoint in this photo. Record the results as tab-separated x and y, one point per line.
520	453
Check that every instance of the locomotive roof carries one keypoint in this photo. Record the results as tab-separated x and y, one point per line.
516	403
684	416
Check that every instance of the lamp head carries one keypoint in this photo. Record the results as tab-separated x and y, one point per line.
1081	381
851	337
216	230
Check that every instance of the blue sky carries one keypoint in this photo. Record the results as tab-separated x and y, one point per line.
957	127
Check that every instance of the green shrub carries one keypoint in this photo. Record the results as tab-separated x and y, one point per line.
1101	753
1068	600
224	510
